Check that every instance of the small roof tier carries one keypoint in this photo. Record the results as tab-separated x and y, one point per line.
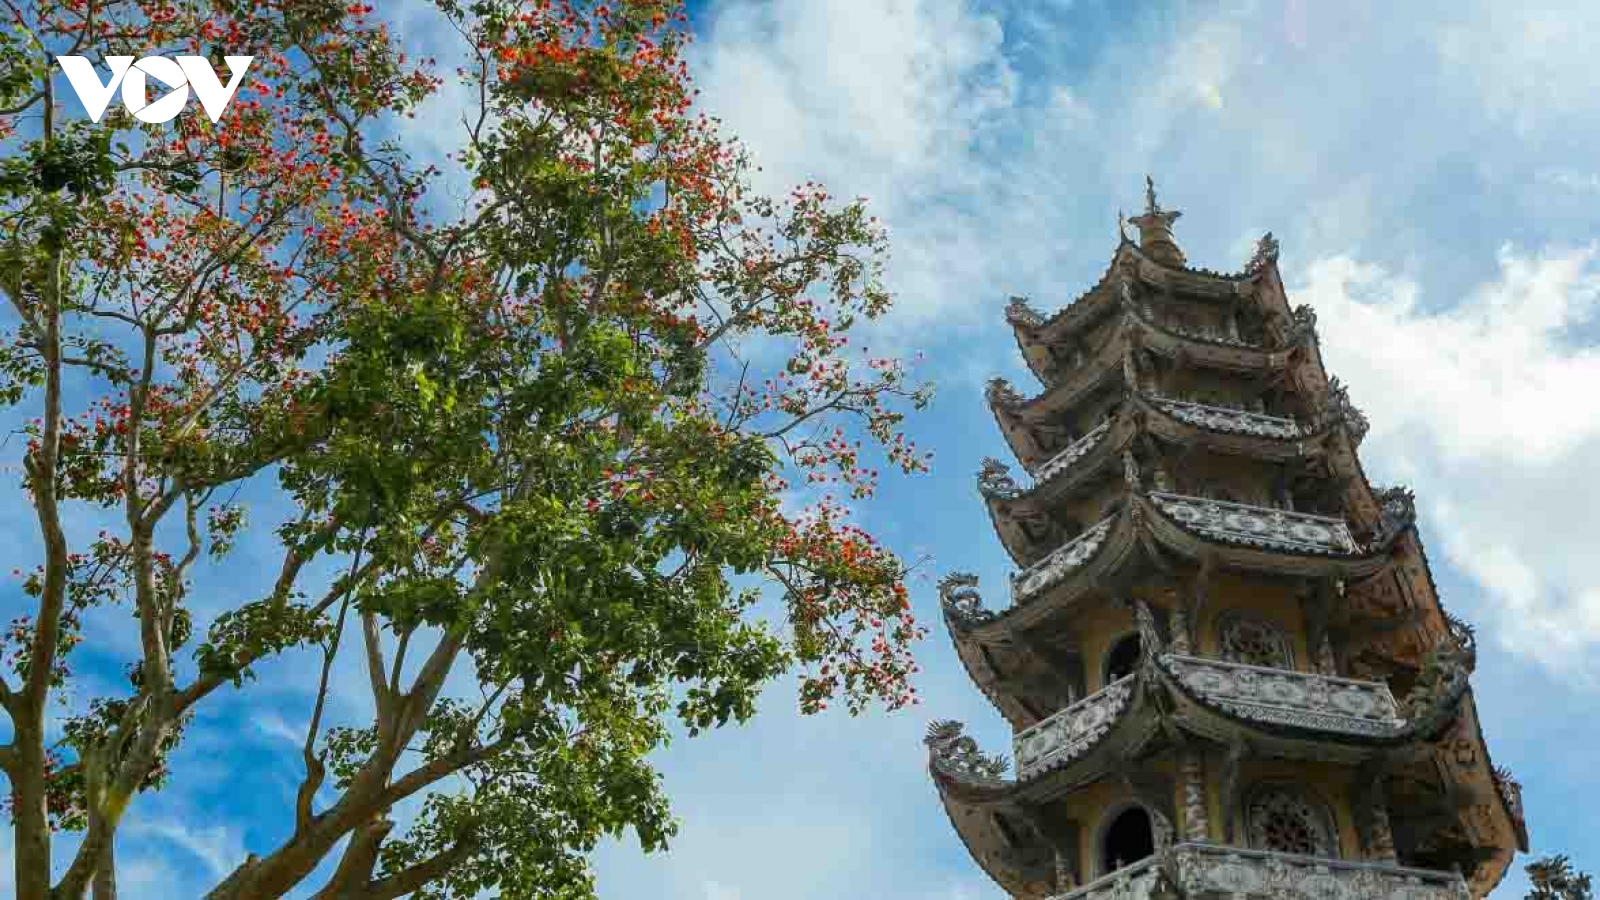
1039	428
1021	514
1046	340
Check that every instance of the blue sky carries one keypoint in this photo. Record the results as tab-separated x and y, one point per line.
1431	176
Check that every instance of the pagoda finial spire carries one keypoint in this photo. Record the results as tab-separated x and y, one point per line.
1155	228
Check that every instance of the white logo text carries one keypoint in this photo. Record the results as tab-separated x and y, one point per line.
178	73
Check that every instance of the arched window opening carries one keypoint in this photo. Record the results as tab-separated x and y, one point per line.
1128	839
1123	658
1255	642
1286	820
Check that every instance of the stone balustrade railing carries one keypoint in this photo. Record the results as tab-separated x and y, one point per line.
1063	559
1258	526
1135	882
1074	452
1237	421
1210	872
1285	697
1067	733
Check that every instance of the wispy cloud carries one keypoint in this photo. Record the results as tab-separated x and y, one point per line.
272	725
219	847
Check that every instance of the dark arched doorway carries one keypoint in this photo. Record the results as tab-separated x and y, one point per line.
1128	839
1123	658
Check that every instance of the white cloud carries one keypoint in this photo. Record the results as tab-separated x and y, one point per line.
889	99
220	847
1491	408
273	725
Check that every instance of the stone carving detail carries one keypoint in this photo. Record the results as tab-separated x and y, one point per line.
1258	526
995	481
1258	875
1371	807
1231	421
1195	870
1287	821
958	592
1018	312
1279	697
1161	830
956	754
1062	560
1254	642
1130	370
1196	820
1464	635
1178	624
1339	410
1150	642
1397	511
1266	252
1000	393
1327	663
1431	702
1130	470
1510	791
1074	452
1144	880
1303	327
1209	336
1067	734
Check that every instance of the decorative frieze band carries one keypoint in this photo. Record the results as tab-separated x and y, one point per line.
1234	421
1074	452
1258	526
1204	871
1062	560
1284	697
1068	733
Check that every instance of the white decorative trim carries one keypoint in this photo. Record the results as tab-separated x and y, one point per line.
1062	560
1065	735
1282	697
1074	452
1237	421
1259	526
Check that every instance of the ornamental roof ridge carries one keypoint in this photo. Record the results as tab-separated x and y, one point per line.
1041	320
1021	315
963	610
961	602
1245	274
996	484
956	755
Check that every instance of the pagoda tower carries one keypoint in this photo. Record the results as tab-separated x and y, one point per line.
1224	659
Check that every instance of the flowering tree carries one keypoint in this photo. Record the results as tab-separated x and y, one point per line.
545	430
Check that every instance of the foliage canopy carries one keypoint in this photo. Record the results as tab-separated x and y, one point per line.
545	429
